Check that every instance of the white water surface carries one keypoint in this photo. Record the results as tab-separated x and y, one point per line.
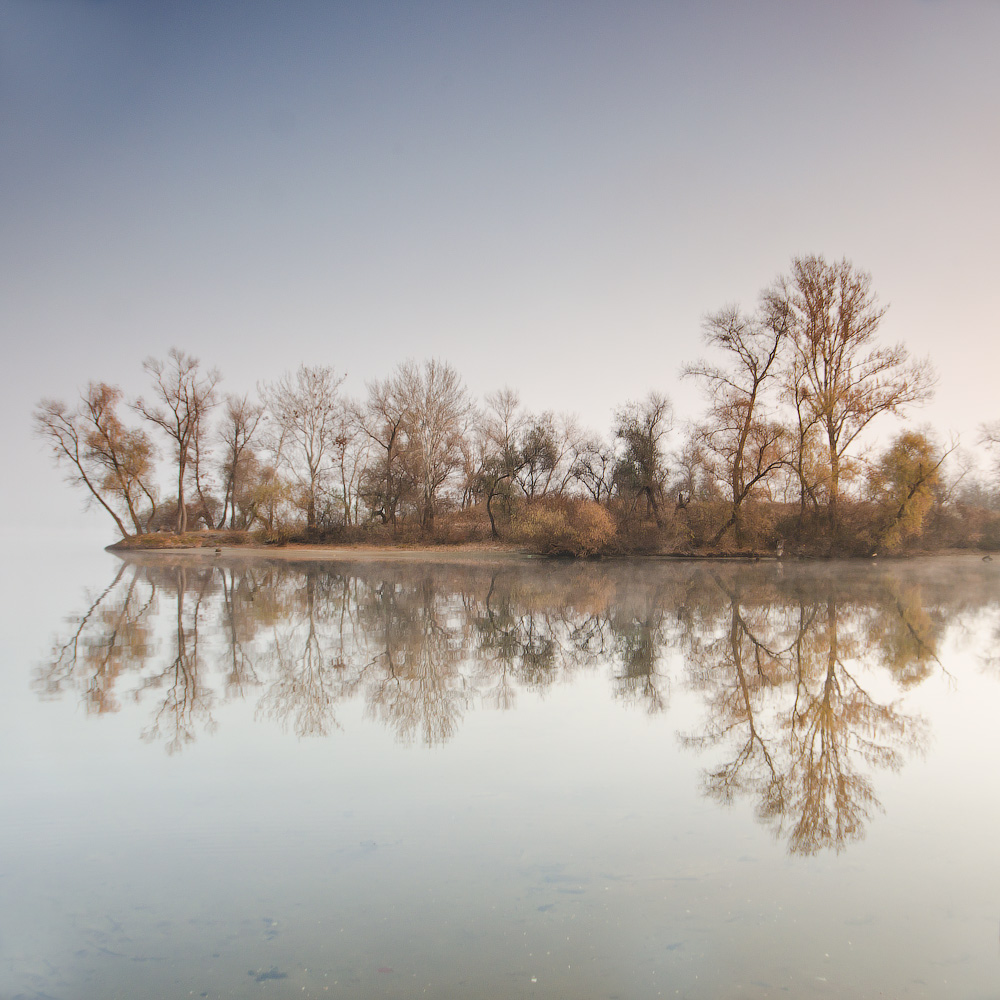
497	780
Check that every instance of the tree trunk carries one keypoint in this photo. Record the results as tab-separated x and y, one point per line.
650	496
489	512
721	532
181	506
834	492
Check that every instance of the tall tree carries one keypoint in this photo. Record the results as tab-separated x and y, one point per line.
350	455
807	462
747	445
383	417
113	462
199	474
641	471
306	410
846	378
438	408
183	395
240	421
499	456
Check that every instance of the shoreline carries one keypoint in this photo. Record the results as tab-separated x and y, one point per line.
208	550
331	553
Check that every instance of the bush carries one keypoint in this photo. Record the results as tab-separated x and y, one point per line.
701	521
564	527
274	536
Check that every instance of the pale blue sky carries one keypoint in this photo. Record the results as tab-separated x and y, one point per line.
548	195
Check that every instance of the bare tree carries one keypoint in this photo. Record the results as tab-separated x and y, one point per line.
549	446
640	429
594	468
503	418
182	397
989	435
540	454
438	408
748	447
691	462
240	422
806	461
307	413
200	474
114	463
382	417
536	454
500	456
351	448
845	378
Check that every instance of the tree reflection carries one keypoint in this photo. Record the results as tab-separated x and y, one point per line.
734	671
414	682
515	645
110	638
306	678
639	645
783	694
185	698
238	594
800	670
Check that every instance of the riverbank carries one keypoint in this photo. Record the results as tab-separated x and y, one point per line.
301	552
241	545
567	528
235	544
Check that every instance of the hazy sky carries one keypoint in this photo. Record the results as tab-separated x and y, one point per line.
547	195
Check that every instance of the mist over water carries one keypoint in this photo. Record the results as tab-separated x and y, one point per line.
260	777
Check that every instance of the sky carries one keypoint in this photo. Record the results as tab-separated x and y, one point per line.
548	195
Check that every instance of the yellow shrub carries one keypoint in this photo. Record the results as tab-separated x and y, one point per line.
565	527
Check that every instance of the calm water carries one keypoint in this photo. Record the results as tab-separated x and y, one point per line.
244	778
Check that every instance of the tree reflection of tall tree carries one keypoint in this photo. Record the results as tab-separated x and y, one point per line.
240	626
638	649
801	761
308	678
187	699
835	724
111	637
735	670
414	683
499	646
513	645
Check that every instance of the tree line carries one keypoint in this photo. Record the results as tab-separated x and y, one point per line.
791	385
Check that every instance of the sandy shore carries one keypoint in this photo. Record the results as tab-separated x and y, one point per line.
325	553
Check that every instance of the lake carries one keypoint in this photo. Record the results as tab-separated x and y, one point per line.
235	776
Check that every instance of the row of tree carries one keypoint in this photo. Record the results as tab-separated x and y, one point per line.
791	387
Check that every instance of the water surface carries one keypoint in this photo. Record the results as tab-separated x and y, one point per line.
253	778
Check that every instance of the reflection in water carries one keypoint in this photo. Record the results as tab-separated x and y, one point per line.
800	669
782	691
